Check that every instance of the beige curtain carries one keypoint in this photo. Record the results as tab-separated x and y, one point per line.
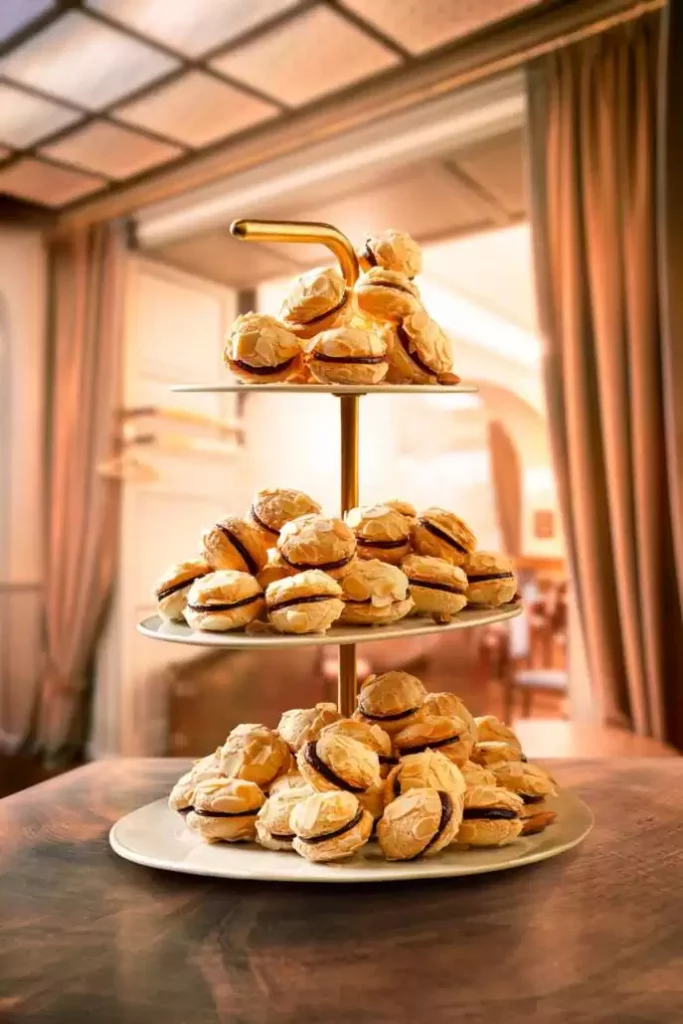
82	507
594	179
506	476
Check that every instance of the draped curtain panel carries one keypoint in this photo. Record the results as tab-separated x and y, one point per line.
84	338
506	475
595	121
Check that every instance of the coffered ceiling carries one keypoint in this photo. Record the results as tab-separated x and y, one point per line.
97	94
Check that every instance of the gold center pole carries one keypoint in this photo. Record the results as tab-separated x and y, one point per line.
347	683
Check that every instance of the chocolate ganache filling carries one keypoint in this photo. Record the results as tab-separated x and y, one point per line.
489	814
385	545
225	814
259	522
330	312
429	585
530	799
387	718
225	606
325	565
394	287
404	339
337	832
446	815
387	759
318	765
369	254
237	543
442	535
309	599
491	576
322	357
434	745
167	591
262	371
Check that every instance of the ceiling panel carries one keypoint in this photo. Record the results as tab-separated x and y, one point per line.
24	119
196	109
498	165
421	25
110	150
192	26
81	60
313	55
16	15
40	182
220	257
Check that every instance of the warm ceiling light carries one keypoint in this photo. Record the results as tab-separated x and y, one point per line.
17	14
192	26
24	119
83	61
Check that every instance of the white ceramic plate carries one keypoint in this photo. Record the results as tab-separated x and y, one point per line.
179	633
334	389
158	838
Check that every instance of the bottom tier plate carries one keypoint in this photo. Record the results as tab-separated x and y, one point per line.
157	838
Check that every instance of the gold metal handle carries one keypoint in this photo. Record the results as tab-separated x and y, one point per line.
309	233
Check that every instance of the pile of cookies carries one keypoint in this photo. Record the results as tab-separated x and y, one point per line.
328	334
412	769
286	564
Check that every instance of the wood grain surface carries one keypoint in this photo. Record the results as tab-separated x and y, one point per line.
593	936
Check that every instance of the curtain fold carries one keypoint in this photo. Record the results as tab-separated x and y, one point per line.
84	339
506	476
594	175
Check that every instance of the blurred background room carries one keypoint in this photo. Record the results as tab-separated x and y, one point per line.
132	132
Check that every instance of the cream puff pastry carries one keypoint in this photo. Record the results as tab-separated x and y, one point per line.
224	810
436	587
491	578
419	823
309	602
392	250
273	830
418	351
233	543
347	355
271	508
317	301
256	753
173	586
260	350
371	736
381	532
374	593
317	542
489	728
386	295
491	817
224	600
335	761
426	770
436	732
329	826
452	706
392	700
301	725
528	781
442	534
491	752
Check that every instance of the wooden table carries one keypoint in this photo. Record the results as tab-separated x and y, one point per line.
595	936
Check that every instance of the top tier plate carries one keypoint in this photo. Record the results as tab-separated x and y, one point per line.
337	389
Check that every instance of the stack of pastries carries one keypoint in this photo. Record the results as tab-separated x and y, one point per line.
288	567
413	770
377	332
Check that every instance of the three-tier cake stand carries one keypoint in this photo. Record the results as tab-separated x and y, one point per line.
155	836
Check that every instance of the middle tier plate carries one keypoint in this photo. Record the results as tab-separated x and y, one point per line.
179	633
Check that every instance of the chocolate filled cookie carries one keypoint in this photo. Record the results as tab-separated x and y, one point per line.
441	534
335	761
273	830
492	816
426	770
224	810
301	725
256	753
271	508
173	586
347	355
437	588
374	593
386	295
419	823
446	734
371	736
329	826
224	600
418	351
392	700
317	301
317	542
381	532
234	543
391	250
491	579
309	602
260	350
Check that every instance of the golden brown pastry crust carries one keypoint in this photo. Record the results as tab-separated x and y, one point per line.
290	780
309	602
182	794
392	250
529	781
224	810
271	508
233	543
317	301
385	295
347	355
442	534
436	587
404	508
491	578
419	823
477	775
275	569
481	830
381	532
223	600
452	706
273	830
256	753
261	350
392	700
335	761
172	587
447	734
418	351
493	751
489	728
372	736
375	593
330	826
301	725
317	542
427	770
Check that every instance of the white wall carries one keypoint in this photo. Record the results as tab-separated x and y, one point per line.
22	402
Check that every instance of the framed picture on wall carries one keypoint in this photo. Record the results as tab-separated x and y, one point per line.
544	523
